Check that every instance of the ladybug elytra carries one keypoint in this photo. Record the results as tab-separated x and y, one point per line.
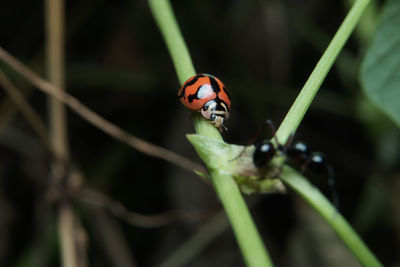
208	95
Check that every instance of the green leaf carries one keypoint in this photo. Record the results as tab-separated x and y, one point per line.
216	153
380	70
236	161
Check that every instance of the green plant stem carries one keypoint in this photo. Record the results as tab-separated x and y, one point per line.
293	119
243	226
245	231
314	197
164	16
310	88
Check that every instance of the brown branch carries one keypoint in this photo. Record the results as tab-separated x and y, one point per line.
8	109
67	233
98	199
26	109
55	71
96	120
67	222
73	237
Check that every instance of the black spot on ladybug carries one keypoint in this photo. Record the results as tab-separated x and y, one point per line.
226	92
194	96
214	85
219	104
189	83
222	105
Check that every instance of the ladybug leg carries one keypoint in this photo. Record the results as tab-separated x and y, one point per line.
218	121
223	127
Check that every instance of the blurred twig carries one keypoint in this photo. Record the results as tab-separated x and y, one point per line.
96	120
55	72
66	228
68	225
21	103
98	199
8	110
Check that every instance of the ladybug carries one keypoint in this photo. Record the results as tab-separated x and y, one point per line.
208	95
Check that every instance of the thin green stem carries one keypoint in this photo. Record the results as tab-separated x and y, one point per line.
292	121
243	226
314	197
249	240
310	88
246	233
164	15
166	21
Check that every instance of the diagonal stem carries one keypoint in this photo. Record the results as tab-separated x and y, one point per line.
246	233
318	201
310	88
96	120
30	114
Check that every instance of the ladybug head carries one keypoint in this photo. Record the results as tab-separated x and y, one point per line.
216	112
218	121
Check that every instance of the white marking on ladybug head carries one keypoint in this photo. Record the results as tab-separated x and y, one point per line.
208	109
216	117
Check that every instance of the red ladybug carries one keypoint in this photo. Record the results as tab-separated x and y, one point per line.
208	95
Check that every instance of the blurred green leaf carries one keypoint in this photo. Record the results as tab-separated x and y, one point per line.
380	70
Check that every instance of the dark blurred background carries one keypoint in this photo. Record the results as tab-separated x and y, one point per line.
118	65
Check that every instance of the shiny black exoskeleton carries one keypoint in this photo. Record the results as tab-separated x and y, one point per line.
263	153
298	155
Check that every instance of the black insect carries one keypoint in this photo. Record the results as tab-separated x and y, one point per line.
298	155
